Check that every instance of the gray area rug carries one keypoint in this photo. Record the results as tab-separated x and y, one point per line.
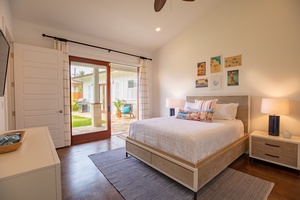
136	180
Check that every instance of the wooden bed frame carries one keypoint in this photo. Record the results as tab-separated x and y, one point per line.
195	175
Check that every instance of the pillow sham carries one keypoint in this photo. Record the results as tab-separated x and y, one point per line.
226	111
189	105
202	116
206	104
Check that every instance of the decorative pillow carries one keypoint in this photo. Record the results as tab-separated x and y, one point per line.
126	109
206	104
202	116
226	111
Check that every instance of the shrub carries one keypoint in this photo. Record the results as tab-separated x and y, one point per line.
74	106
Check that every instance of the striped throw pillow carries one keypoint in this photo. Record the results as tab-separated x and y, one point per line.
206	104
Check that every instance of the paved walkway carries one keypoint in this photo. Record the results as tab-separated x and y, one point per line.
117	125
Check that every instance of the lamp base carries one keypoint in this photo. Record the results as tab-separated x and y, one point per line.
172	111
274	122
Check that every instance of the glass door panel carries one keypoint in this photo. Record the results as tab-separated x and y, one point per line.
89	97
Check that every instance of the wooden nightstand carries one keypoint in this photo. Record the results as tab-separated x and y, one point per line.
275	149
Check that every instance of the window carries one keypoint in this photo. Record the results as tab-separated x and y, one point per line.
131	84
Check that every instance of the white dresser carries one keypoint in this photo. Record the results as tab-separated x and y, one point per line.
32	171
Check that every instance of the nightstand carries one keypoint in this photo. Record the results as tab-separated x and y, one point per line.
275	149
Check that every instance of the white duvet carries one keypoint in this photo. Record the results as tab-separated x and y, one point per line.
187	139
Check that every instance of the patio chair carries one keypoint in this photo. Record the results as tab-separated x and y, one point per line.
127	109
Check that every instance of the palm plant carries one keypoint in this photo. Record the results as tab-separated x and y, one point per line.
118	104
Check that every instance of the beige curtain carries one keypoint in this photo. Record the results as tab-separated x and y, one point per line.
143	91
63	46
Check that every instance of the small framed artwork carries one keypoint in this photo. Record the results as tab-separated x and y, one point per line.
215	64
233	61
201	69
233	78
201	83
216	82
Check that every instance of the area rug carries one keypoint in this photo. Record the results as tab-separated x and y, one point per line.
135	180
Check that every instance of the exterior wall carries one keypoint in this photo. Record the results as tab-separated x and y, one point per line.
119	88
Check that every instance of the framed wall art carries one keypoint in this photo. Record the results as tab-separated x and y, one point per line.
201	83
215	82
201	69
233	61
233	78
215	64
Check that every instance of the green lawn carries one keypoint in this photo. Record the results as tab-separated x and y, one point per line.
78	121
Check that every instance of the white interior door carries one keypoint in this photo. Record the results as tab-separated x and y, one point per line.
39	89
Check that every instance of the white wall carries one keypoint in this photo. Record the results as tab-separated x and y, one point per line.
6	16
31	34
265	32
6	27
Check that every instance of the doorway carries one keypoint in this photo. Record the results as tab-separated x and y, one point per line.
124	88
90	99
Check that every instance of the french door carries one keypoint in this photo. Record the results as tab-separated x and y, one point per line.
90	99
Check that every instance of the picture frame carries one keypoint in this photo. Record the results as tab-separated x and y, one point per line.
233	78
233	61
215	64
201	83
215	82
201	69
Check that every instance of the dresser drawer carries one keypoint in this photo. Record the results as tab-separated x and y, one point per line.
276	151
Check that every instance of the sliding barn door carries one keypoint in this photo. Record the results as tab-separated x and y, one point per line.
39	89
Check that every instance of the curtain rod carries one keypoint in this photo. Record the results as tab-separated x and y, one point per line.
94	46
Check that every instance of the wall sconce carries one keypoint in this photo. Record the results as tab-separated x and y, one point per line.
274	107
174	103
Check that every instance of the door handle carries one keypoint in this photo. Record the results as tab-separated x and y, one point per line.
60	111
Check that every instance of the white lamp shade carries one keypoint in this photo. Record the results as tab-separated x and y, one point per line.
175	103
275	106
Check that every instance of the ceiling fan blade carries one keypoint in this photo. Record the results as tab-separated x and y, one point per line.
159	4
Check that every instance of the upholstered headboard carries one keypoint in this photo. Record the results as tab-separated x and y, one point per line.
243	112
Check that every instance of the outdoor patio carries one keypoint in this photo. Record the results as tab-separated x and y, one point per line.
118	125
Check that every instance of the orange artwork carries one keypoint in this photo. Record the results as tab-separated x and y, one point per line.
201	69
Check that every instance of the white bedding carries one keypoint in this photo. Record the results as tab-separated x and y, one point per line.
187	139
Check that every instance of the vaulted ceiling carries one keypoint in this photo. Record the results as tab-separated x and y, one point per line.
130	22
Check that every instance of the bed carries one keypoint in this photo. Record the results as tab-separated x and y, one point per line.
193	172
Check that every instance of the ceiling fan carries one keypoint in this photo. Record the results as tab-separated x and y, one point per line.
159	4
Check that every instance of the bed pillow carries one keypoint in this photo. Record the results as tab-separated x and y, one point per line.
190	106
226	111
206	104
202	116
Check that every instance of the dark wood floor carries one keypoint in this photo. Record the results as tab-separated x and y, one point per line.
81	179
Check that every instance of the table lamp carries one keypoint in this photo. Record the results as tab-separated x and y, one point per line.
174	103
274	107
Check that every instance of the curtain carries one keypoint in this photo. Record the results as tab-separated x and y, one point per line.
143	91
63	46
